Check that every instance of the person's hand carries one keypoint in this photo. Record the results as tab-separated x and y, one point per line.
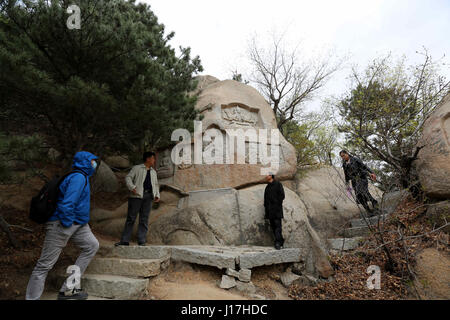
156	199
134	191
373	177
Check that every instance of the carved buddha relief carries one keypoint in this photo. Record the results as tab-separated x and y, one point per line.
240	115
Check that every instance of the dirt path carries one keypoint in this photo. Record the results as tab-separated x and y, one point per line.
161	289
183	281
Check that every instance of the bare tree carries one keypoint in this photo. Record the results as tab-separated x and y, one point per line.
384	113
286	78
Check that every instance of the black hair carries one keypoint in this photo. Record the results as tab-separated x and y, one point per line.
344	152
147	155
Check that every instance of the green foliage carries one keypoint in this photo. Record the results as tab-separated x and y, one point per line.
314	137
297	135
115	85
325	143
238	77
28	152
384	113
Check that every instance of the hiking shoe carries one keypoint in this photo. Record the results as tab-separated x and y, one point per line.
121	244
277	246
142	244
75	294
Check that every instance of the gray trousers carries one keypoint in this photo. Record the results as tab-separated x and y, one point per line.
56	239
143	207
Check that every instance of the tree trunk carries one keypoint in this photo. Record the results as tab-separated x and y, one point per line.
409	178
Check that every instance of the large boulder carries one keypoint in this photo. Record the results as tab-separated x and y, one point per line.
433	164
323	193
203	82
222	204
225	217
228	105
230	217
105	179
118	162
439	215
111	222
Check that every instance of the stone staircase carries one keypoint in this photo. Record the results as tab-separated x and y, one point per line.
123	272
120	272
351	238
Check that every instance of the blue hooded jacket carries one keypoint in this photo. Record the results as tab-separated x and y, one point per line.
74	200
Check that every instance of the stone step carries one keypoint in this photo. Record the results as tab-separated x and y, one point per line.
114	287
246	257
199	255
344	244
135	252
53	295
222	257
372	221
137	268
354	232
269	257
110	286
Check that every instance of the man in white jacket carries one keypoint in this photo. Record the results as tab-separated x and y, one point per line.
142	182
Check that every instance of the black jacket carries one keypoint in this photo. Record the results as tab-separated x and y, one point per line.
355	170
273	200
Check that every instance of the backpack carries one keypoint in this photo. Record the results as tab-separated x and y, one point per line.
43	205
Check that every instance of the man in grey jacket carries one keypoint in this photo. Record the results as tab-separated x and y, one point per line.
142	182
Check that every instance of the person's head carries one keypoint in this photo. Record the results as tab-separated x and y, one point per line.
270	178
149	158
344	155
86	162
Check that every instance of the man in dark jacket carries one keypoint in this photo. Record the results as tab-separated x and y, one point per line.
70	221
356	171
273	204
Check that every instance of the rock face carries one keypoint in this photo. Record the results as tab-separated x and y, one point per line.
227	217
230	217
433	164
222	204
105	179
228	105
439	214
119	162
324	196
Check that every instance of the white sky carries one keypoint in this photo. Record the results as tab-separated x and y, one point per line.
218	31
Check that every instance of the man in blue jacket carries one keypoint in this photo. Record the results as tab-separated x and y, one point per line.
70	221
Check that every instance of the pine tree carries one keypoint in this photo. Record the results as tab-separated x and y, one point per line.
113	85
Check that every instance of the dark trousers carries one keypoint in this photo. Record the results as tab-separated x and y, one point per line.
361	187
276	226
143	207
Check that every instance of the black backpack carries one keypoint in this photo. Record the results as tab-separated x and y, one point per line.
43	205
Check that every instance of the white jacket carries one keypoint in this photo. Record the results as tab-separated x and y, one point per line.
135	180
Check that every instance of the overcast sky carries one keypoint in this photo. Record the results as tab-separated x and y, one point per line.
219	31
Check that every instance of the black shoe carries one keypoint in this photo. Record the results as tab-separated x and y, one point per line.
277	246
75	294
121	244
142	244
